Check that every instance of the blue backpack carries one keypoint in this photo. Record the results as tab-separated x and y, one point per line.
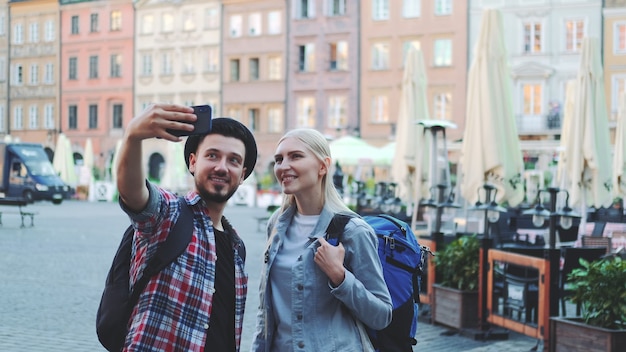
402	259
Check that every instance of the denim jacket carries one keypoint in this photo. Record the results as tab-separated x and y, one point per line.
324	318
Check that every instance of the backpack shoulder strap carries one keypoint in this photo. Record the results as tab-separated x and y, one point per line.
335	228
176	242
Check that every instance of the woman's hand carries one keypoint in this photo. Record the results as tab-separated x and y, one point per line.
329	258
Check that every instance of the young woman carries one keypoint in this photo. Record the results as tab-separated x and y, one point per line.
315	296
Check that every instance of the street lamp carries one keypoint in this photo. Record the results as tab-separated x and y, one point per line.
489	206
564	216
442	203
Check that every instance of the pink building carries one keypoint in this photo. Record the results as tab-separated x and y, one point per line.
96	73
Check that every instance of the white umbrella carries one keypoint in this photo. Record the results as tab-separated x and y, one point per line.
63	161
619	156
586	146
87	170
410	135
175	175
491	151
352	151
114	161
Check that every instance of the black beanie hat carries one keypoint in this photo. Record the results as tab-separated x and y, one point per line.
227	127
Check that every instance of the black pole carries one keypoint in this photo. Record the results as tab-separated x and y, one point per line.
554	255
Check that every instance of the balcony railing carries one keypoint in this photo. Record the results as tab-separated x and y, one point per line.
539	124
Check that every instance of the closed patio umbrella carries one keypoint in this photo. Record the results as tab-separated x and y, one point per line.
63	161
586	146
490	152
409	134
619	156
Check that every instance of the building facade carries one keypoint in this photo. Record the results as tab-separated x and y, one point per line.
253	73
614	56
33	59
96	75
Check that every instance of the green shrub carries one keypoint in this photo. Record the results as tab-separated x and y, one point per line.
457	265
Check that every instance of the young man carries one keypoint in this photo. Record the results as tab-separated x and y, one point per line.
197	302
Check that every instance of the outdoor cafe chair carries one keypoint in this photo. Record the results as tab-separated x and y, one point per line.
592	241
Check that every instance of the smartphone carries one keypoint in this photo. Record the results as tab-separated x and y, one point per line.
201	126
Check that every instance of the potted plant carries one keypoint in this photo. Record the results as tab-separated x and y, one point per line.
455	293
599	287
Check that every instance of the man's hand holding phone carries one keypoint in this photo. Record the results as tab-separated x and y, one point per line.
201	125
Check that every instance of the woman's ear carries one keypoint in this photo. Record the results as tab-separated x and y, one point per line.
325	166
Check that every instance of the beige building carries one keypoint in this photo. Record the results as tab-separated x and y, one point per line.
388	28
32	109
177	60
254	71
614	56
4	67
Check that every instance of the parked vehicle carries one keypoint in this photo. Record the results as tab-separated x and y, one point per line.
27	174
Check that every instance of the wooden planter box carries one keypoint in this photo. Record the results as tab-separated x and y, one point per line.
454	308
573	335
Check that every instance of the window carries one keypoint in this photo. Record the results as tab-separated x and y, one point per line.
18	33
305	9
74	25
116	20
166	64
532	101
406	46
254	24
147	24
33	122
443	7
146	65
18	74
306	57
253	119
34	33
48	116
18	118
380	109
339	56
93	116
618	89
167	23
234	70
212	62
117	115
48	75
34	74
532	37
93	23
212	19
274	22
380	56
235	26
574	33
3	66
188	59
49	31
275	64
443	52
72	117
3	32
380	10
254	69
337	106
619	43
2	119
189	23
411	8
116	65
93	66
336	7
306	112
275	120
73	68
235	113
443	106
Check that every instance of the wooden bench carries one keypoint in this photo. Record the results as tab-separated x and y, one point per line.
24	214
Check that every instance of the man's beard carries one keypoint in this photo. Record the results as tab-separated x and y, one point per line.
215	197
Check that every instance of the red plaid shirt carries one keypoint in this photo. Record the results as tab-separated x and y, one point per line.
174	312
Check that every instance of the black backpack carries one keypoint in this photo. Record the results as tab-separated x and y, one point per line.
402	260
117	300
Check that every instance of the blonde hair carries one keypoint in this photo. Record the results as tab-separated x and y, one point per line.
318	145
